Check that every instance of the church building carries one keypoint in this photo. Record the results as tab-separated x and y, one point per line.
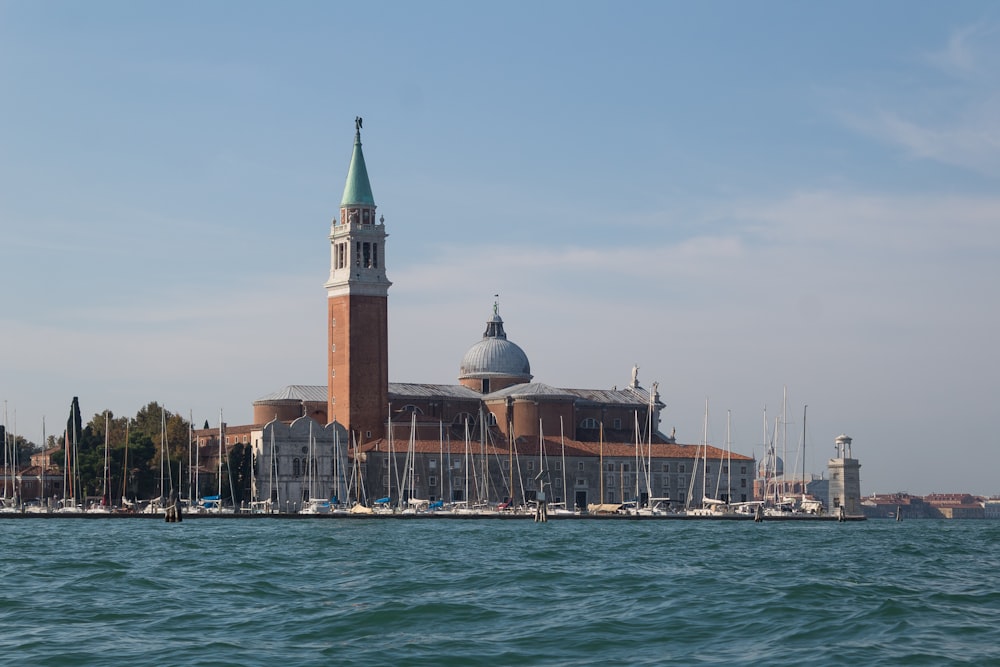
496	436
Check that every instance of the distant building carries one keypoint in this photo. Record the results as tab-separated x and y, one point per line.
932	506
991	508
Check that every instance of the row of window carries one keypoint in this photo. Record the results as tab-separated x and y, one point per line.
491	420
581	466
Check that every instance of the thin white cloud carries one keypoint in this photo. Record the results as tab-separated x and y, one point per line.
955	120
971	52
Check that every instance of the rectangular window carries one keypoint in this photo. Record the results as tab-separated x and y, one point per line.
743	470
579	466
681	468
432	464
374	255
616	424
558	465
743	482
457	464
666	467
531	466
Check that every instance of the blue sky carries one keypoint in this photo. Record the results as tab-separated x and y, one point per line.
737	197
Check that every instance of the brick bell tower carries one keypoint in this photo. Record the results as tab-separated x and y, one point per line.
357	313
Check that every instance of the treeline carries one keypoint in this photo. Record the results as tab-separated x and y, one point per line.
153	445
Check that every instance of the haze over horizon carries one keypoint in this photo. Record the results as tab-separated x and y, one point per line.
737	198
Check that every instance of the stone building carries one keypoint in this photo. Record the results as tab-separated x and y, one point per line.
495	435
845	480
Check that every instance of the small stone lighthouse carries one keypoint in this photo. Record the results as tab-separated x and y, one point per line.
845	479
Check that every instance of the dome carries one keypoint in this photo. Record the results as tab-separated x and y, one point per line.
495	356
778	467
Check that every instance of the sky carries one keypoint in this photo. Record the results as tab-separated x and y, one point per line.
764	206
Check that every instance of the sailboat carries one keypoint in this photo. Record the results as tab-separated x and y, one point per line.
561	508
70	485
313	504
104	507
158	505
8	505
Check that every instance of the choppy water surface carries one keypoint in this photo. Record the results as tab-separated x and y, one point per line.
488	592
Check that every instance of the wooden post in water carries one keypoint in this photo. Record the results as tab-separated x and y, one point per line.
173	509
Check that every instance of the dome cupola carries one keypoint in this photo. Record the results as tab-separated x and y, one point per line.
494	362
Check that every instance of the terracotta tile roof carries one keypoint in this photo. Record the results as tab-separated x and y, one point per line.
553	447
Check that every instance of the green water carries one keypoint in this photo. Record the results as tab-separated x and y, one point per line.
487	592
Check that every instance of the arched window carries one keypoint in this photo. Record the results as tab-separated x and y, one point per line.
462	417
589	422
296	468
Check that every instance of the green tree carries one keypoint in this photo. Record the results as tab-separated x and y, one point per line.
133	464
240	462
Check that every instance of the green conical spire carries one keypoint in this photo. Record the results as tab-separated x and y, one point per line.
357	190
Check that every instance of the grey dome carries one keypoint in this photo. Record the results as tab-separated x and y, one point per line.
495	356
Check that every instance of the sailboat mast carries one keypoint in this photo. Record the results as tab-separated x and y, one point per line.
128	423
601	459
41	469
6	461
704	460
218	502
392	459
638	457
190	468
105	497
466	462
163	453
441	459
562	443
784	441
272	472
729	458
510	458
197	470
541	457
804	408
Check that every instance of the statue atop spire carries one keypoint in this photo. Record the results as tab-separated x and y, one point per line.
357	123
